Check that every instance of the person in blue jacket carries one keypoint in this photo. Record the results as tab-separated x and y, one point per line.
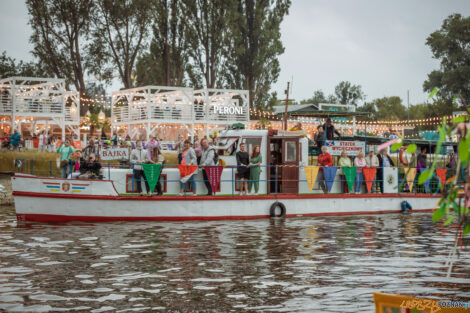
15	139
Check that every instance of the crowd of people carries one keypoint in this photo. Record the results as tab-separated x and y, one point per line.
380	161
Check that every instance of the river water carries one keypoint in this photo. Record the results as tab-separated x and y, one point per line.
327	264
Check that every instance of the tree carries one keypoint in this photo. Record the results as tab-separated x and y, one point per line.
368	107
450	45
390	108
60	34
166	62
253	46
318	97
347	93
9	67
206	26
119	34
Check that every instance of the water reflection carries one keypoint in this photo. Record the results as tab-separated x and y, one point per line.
313	264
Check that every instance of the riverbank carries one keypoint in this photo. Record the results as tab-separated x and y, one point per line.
7	198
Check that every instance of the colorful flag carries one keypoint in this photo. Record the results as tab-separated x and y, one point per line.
152	173
350	174
186	171
441	173
426	183
410	178
213	174
311	174
369	176
329	173
388	143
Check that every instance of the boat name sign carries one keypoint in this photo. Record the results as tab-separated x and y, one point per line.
352	148
114	153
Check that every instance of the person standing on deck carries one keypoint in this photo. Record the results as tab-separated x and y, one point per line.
42	142
157	158
359	163
243	159
372	161
255	169
139	156
325	160
207	159
65	150
344	161
384	161
188	157
330	130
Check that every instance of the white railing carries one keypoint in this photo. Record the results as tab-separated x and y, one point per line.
202	113
31	106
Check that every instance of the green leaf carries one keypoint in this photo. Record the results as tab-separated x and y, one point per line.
449	220
437	215
396	146
460	119
466	230
411	148
433	92
424	176
463	150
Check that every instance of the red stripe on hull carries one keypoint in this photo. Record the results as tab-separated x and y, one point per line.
46	218
234	197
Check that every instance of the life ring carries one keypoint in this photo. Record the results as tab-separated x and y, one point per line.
405	206
272	210
402	157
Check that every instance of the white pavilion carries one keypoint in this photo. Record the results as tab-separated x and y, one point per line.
38	104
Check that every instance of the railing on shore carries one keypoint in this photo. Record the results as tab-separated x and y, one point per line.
50	169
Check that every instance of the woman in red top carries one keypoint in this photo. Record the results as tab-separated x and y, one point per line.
325	159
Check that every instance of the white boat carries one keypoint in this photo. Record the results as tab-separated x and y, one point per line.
42	199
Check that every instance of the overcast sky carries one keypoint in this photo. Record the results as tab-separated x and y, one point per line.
379	44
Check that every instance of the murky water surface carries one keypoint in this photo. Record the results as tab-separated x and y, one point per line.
330	264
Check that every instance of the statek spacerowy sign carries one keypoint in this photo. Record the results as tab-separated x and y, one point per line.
352	148
114	153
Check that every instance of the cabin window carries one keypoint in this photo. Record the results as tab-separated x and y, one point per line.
251	143
291	151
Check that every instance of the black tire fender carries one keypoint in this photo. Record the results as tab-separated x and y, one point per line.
272	209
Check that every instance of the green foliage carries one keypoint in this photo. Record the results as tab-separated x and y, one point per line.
411	148
59	37
450	45
347	93
119	31
390	108
10	67
253	44
166	62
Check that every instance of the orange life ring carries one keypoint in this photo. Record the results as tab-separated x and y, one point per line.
402	157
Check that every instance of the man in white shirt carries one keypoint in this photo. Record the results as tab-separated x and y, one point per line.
139	156
42	142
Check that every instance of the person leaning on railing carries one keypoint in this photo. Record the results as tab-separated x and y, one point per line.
90	168
255	169
65	150
207	159
325	160
137	157
373	162
243	159
359	163
188	157
384	161
344	161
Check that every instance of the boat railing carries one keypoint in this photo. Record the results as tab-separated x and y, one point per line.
277	178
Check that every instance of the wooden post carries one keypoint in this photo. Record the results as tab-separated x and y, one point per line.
287	103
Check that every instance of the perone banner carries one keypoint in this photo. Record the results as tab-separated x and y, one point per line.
352	148
114	153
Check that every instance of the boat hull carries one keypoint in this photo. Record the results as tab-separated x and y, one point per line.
100	203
